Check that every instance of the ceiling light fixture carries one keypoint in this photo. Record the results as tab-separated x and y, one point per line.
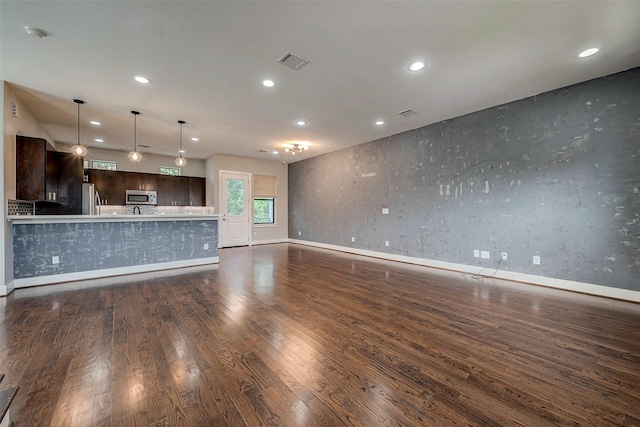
79	149
275	151
417	66
268	83
295	148
134	155
35	32
142	79
95	122
588	52
379	123
301	123
181	161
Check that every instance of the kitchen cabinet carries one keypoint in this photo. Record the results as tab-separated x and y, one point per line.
111	185
51	178
141	181
32	182
173	190
196	191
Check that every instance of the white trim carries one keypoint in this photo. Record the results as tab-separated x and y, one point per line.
568	285
269	241
118	271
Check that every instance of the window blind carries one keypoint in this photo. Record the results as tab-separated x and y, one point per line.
264	186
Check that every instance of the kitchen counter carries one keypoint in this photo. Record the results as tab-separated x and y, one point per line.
51	249
46	219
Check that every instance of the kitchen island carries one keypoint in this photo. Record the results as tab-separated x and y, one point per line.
61	248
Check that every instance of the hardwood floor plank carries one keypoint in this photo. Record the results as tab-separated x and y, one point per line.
288	335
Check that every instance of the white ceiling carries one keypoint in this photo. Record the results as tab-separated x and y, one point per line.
206	61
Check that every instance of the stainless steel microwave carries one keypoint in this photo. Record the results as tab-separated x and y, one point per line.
142	197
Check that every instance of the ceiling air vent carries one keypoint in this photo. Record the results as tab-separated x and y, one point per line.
407	113
144	146
262	150
292	61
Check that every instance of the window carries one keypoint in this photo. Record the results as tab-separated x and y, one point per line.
263	210
264	199
166	170
104	165
235	197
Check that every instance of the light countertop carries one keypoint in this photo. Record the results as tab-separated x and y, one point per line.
44	219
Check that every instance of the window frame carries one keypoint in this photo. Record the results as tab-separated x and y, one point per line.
273	212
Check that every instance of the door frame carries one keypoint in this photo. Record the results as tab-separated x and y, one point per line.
222	191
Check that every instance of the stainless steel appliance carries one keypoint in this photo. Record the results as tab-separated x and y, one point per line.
141	197
91	202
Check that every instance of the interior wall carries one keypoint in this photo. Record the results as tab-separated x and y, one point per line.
150	163
262	233
25	124
555	176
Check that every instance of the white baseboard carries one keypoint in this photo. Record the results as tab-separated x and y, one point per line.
269	241
96	274
568	285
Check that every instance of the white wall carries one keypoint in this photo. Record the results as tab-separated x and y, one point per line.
259	233
150	163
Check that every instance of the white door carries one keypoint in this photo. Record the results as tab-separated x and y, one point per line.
235	194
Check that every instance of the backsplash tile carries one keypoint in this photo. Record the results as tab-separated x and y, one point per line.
20	207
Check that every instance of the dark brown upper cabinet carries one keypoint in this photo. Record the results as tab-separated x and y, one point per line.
44	175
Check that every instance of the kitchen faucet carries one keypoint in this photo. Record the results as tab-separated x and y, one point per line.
134	210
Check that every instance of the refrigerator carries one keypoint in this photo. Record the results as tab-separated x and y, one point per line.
90	200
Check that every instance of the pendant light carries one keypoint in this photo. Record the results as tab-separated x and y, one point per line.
79	149
181	161
134	155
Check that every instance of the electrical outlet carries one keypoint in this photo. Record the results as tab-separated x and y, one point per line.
386	243
55	260
504	256
476	253
385	211
485	255
206	246
353	239
299	233
536	260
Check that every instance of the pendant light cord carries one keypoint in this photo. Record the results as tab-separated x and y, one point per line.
181	139
135	132
78	123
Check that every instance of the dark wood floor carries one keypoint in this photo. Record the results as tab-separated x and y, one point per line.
287	335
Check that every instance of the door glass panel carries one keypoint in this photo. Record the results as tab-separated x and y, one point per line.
235	197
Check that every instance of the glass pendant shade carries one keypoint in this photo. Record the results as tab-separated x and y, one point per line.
135	155
79	149
181	161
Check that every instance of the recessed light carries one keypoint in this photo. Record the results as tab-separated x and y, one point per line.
379	123
99	140
195	139
181	151
95	122
275	152
268	83
301	123
142	79
588	52
417	66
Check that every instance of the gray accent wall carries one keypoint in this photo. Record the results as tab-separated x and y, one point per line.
556	176
103	245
